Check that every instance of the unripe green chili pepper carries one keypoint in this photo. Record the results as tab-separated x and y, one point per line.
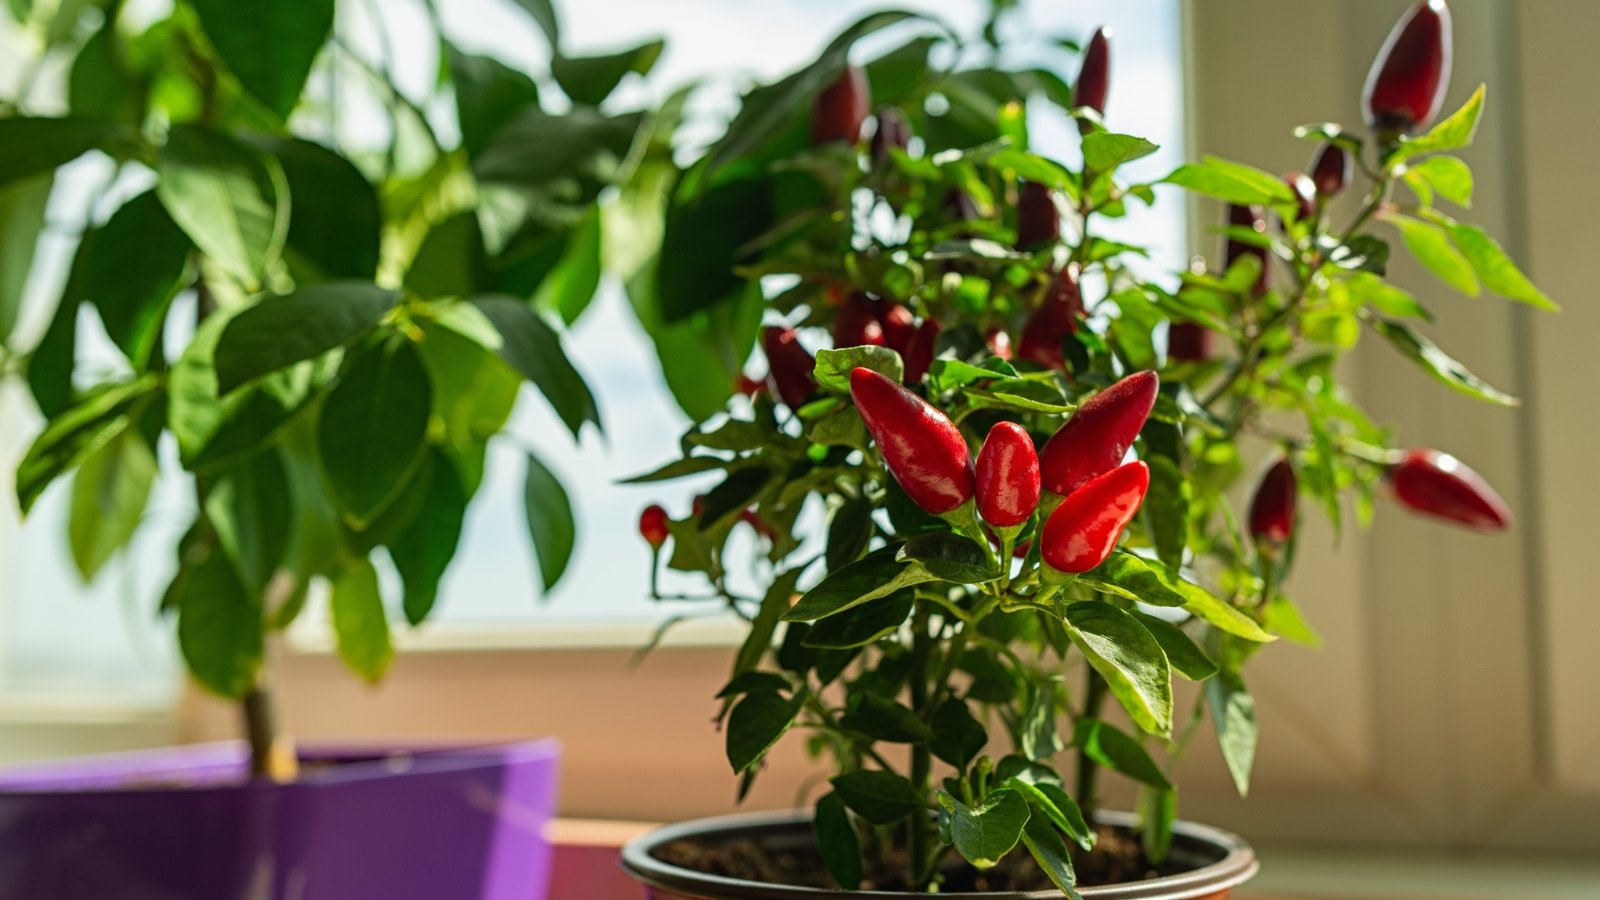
841	109
1007	476
1038	220
1085	528
921	447
1094	77
1055	318
790	367
1332	170
857	323
1406	84
1442	487
653	525
1272	509
1098	435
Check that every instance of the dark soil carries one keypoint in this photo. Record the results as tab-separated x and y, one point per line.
1117	858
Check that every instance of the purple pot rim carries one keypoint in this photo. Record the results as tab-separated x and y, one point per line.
1237	865
47	778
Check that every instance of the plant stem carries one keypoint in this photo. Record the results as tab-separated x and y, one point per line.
1094	696
272	754
917	827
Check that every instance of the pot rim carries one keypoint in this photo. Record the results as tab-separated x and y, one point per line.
1237	866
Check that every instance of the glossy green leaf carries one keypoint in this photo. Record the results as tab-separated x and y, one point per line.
550	522
534	349
589	80
280	331
837	841
1452	133
359	623
371	431
489	94
986	834
1447	175
51	363
702	355
883	719
108	498
250	507
756	723
949	557
834	366
32	146
574	155
269	47
1104	151
231	200
1491	263
1437	363
219	627
958	738
849	532
543	13
569	287
1052	855
131	269
876	575
22	209
705	237
335	221
862	625
70	437
881	798
1430	245
422	551
1053	804
1119	752
1128	657
1148	581
1186	657
1233	713
1231	182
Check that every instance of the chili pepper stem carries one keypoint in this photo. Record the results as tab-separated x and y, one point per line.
964	519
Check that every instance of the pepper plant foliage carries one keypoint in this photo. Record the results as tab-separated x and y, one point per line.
909	629
364	312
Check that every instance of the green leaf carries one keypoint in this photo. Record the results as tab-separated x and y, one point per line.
22	209
1448	175
1283	618
335	221
986	834
1104	152
1158	810
1118	751
489	94
1452	133
1430	245
31	146
550	522
1038	738
131	269
958	738
534	349
474	392
422	550
1231	182
359	622
1437	363
837	841
280	331
543	13
219	627
1233	713
1148	581
703	354
1186	657
1491	263
572	156
571	285
102	83
1054	804
862	625
270	47
1166	506
1128	657
759	638
751	682
756	723
883	719
1051	853
372	430
250	507
232	201
69	438
108	499
849	532
834	366
589	80
881	798
705	237
949	557
876	575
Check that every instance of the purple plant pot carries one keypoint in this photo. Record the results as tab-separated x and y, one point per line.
418	823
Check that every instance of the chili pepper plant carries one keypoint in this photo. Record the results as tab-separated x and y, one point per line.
1008	484
324	332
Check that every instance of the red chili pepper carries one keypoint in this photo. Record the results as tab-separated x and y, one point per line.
1094	77
1084	529
746	386
1255	219
919	351
921	447
653	525
1050	324
1406	84
1305	191
857	323
841	109
790	367
1007	476
1189	342
898	326
1272	508
893	132
1038	220
1332	170
1098	435
998	342
760	525
1441	486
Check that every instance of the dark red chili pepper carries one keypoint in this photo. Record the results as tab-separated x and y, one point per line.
790	367
919	351
1441	486
841	109
1094	77
653	525
1008	476
1255	219
760	525
958	205
1098	435
998	342
1406	84
921	447
746	386
1189	342
893	132
1305	191
1084	529
1055	318
1272	507
1332	170
857	323
898	326
1038	220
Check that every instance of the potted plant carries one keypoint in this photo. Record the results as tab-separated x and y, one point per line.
324	333
968	434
